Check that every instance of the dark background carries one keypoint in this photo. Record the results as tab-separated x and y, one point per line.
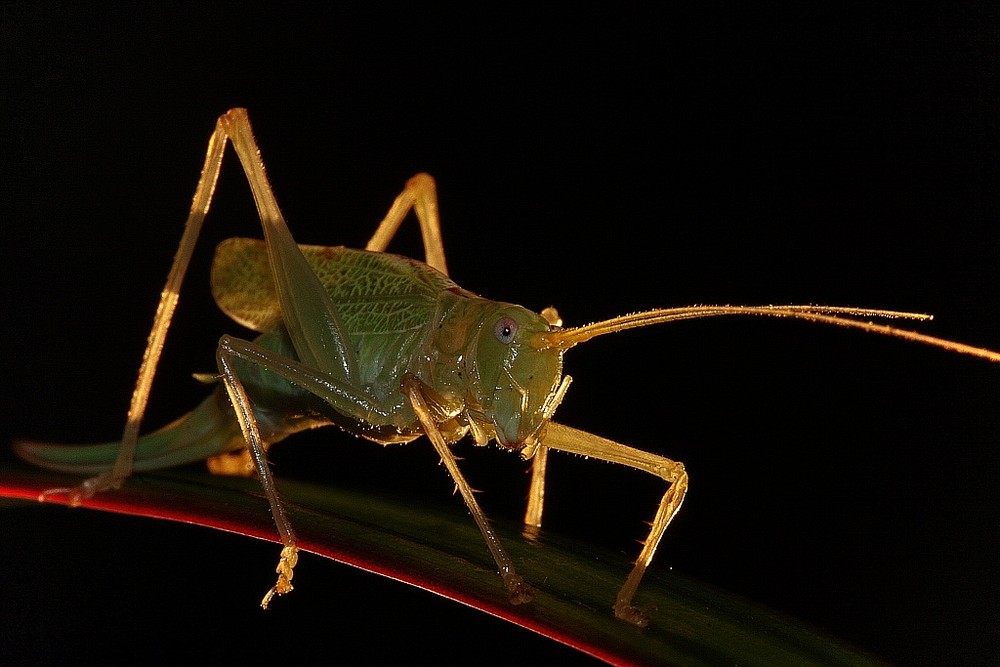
604	161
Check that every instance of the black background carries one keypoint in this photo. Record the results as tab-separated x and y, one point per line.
604	161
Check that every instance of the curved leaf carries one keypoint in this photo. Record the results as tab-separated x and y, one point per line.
438	548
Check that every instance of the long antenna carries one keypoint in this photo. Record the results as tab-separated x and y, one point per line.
841	316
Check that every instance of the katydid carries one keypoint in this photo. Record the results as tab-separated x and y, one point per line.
390	349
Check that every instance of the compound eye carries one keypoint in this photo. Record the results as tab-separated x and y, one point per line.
505	328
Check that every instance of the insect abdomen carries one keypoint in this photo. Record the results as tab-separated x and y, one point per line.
207	430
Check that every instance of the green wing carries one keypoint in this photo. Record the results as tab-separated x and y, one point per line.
375	291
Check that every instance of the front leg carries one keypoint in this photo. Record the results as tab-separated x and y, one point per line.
536	492
518	590
586	444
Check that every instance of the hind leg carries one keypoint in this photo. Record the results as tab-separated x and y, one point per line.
420	194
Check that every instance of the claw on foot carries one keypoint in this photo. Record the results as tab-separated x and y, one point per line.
531	533
286	564
634	615
518	589
75	495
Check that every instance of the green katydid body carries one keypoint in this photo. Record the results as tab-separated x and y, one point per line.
402	317
388	348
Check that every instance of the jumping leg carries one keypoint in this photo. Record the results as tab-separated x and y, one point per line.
420	194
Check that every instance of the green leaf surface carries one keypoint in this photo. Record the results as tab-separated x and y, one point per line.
438	548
